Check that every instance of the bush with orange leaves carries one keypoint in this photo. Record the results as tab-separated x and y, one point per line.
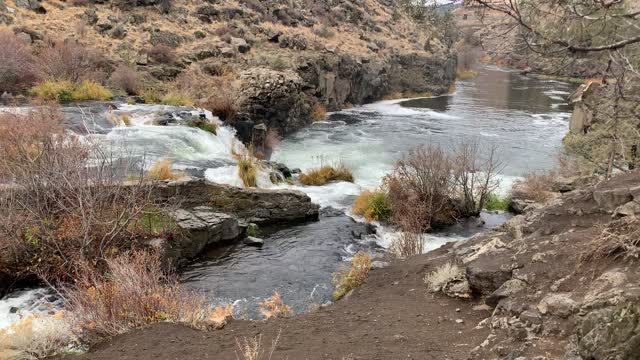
275	307
134	292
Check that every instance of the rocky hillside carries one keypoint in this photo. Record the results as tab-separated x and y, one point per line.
558	282
278	62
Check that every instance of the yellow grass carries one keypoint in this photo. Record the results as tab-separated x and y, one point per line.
326	173
350	278
66	91
248	170
275	307
373	205
319	112
177	98
163	170
466	74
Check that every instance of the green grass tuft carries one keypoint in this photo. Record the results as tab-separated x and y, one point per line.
497	202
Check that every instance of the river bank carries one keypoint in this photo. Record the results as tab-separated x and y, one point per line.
347	136
538	287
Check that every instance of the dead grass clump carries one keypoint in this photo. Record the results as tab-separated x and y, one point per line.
248	169
443	275
17	72
466	74
326	173
618	239
162	54
349	278
64	91
37	337
318	112
134	292
535	187
127	79
275	307
222	106
177	98
373	205
163	170
71	61
251	348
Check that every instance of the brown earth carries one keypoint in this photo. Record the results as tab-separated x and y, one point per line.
553	295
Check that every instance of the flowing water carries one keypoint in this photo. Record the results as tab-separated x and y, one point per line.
525	117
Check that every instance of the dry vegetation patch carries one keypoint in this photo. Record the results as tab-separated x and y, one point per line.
618	239
325	174
535	186
349	278
443	275
275	307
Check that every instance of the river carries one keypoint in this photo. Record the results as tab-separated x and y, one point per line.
526	117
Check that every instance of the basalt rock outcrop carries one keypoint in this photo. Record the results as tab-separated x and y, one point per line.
283	100
210	214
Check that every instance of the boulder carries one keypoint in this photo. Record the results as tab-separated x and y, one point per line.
260	206
273	98
485	278
207	13
240	45
457	288
611	333
198	228
610	199
165	38
559	304
509	288
103	24
629	209
254	241
33	5
296	42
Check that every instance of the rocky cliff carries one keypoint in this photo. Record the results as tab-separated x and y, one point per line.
273	62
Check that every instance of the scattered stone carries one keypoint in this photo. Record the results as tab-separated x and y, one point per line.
165	38
459	321
486	278
296	42
103	24
559	304
379	264
629	209
531	317
34	5
509	288
254	241
240	45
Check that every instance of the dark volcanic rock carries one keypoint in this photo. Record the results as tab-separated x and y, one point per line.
486	278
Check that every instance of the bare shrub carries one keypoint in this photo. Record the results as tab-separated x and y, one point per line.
17	72
275	307
420	188
162	54
443	274
68	60
476	172
126	78
222	106
80	28
618	239
272	140
56	210
136	292
535	187
251	348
